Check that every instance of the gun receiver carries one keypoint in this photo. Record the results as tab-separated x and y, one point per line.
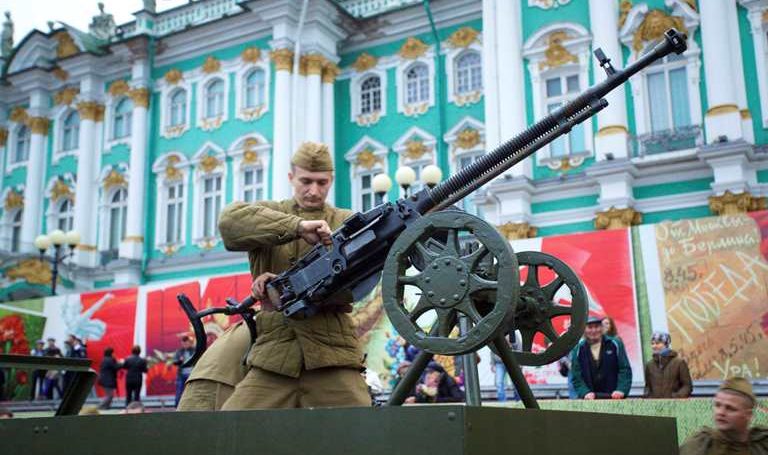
360	246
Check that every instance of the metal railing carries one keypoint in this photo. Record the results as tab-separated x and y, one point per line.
657	142
367	8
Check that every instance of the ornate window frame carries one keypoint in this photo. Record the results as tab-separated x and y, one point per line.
416	148
58	134
465	139
167	91
254	113
403	66
8	221
209	161
355	86
757	13
110	109
559	49
631	35
456	50
248	152
212	123
111	179
11	148
170	169
367	157
58	189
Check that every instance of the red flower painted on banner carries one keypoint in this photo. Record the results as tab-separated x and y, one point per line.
162	372
13	338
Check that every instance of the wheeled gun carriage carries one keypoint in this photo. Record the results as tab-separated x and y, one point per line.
418	244
465	274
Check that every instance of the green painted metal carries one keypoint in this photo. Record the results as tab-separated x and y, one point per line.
445	430
449	282
537	308
667	189
641	295
565	204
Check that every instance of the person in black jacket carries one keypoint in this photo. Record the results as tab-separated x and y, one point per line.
108	377
136	366
437	387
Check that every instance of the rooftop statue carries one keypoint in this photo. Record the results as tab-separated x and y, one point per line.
6	42
102	25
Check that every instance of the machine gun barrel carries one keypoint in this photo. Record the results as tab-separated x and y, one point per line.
547	129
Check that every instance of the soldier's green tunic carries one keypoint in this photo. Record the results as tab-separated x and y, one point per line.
268	231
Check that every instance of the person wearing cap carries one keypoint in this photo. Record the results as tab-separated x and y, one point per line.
733	406
38	376
295	362
666	374
599	365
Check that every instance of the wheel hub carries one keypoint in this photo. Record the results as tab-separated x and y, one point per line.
446	281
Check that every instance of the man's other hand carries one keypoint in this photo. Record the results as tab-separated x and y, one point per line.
616	395
590	396
259	286
314	231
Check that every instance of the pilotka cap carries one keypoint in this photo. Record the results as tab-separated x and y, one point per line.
740	386
313	156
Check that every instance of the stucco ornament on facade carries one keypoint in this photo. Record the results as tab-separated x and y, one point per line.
173	76
66	46
211	65
655	23
367	159
463	37
556	54
283	59
548	4
209	163
140	96
18	114
61	190
250	156
516	231
364	62
251	55
330	72
624	8
91	110
566	163
113	180
3	137
734	203
60	74
467	139
314	64
13	200
39	125
614	218
33	271
368	119
118	88
413	48
415	149
65	96
171	173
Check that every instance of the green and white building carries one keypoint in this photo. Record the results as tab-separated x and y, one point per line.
137	134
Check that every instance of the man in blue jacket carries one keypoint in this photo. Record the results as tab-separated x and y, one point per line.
600	368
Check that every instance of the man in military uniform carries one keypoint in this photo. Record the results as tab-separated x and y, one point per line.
295	362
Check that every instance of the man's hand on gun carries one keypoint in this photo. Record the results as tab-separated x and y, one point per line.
259	286
314	231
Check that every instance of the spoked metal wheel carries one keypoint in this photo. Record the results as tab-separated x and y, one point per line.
427	258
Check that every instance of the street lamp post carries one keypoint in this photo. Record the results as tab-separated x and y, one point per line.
405	176
58	239
431	175
381	184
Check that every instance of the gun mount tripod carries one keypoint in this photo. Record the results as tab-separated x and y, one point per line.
477	289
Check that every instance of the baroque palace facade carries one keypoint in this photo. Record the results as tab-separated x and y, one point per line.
137	134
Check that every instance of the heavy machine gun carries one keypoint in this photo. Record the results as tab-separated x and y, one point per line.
478	290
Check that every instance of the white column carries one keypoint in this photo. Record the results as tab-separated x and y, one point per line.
737	70
722	118
282	147
490	76
91	114
132	246
33	188
510	76
612	121
299	106
755	16
314	109
330	71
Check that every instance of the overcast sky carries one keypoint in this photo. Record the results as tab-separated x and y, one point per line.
34	14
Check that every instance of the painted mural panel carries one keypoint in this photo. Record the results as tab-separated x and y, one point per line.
707	286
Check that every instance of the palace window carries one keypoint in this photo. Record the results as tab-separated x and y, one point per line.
417	84
463	162
118	213
469	73
212	202
368	199
214	99
21	149
667	82
370	95
65	215
16	231
174	212
178	108
70	137
253	184
121	124
254	89
558	91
